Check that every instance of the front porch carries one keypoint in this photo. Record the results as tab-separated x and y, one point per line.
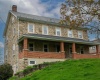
35	48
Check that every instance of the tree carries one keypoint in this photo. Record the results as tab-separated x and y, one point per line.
81	13
5	71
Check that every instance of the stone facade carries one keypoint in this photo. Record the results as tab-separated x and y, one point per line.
51	30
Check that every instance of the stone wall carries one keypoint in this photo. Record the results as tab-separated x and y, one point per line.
51	30
11	40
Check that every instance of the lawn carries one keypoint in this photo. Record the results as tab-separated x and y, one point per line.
84	69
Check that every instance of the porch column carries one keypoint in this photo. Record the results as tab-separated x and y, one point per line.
25	48
73	48
62	46
97	49
25	44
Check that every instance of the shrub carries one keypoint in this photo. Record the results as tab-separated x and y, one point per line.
5	71
27	70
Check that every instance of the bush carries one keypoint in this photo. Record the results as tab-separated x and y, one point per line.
5	71
27	70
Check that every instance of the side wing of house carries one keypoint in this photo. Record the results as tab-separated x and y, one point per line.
11	44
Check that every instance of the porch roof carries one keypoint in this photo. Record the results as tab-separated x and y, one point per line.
57	38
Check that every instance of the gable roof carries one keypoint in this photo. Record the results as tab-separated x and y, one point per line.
35	18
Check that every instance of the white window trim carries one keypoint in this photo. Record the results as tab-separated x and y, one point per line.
14	31
79	34
47	45
28	28
43	29
31	60
58	29
14	47
71	32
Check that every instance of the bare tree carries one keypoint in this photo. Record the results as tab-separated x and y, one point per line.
82	13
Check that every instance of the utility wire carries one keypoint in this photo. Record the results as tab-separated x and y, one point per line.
2	20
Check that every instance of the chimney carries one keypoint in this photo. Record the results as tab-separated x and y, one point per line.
14	8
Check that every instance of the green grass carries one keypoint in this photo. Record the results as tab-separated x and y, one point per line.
85	69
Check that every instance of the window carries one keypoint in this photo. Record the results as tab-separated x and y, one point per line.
93	48
13	46
81	50
32	62
45	30
57	47
30	28
12	19
58	32
70	33
80	34
31	46
45	47
14	31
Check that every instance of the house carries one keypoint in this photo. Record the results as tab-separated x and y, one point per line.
31	39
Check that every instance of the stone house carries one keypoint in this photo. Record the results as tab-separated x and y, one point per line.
31	39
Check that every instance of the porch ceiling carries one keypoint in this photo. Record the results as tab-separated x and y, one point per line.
57	38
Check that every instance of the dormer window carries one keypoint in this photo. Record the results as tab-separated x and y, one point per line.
80	34
30	28
58	32
45	30
70	33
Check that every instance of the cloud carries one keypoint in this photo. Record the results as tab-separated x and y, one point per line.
1	45
35	7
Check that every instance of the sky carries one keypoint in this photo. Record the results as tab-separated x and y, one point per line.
48	8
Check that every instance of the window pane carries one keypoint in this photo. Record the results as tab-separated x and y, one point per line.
31	47
70	33
45	50
58	31
30	28
32	62
45	30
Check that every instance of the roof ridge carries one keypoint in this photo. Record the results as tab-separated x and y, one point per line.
34	15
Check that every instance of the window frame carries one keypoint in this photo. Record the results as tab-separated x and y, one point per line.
58	29
80	32
71	33
29	28
47	47
81	47
32	60
33	46
43	31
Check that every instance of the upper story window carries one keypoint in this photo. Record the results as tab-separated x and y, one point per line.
70	33
80	34
58	32
30	28
45	30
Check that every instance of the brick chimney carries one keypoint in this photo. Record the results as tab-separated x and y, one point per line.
14	8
